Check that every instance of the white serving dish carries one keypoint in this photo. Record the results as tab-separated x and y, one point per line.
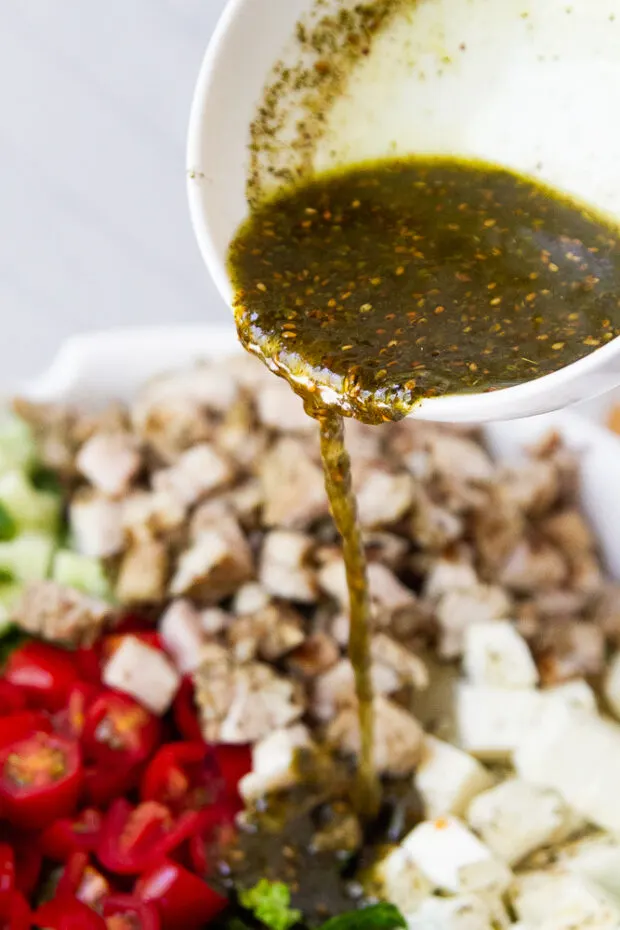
94	368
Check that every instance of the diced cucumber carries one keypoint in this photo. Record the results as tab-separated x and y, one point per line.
10	591
17	445
8	526
28	557
29	508
81	572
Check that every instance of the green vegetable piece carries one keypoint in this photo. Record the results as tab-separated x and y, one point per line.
29	508
8	527
377	917
81	572
270	903
9	593
28	557
10	640
17	445
44	479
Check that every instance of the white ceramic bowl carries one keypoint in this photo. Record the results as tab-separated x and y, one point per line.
529	84
98	367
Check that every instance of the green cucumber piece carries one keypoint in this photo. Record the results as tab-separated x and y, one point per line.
29	508
81	572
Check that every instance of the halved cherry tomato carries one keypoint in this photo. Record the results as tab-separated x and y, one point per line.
7	872
185	712
24	723
44	673
12	698
183	776
40	780
234	762
27	856
124	912
72	834
65	912
103	784
119	732
71	719
82	880
15	913
182	899
88	664
133	838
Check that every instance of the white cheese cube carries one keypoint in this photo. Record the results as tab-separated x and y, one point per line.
611	685
144	673
273	762
516	818
577	694
558	900
455	860
577	754
497	656
596	859
448	778
401	882
466	912
491	722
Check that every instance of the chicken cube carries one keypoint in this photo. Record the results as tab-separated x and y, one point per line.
454	860
182	633
293	486
516	818
143	573
397	740
216	564
284	570
144	673
198	472
274	761
448	779
96	525
498	657
459	609
384	498
110	461
60	614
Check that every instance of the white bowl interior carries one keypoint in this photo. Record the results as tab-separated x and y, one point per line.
533	85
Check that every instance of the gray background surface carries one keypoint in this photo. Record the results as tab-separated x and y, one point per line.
94	227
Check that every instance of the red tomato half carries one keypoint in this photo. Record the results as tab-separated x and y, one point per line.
72	834
185	712
7	872
27	854
70	721
65	912
124	912
182	899
44	673
12	698
119	732
24	723
133	838
234	762
15	913
183	776
40	780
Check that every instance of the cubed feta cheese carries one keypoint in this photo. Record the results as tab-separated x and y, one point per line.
448	778
558	900
577	693
273	762
611	684
577	754
455	860
596	859
497	656
400	881
515	818
491	722
144	673
465	912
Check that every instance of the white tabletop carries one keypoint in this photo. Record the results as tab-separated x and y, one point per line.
94	227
